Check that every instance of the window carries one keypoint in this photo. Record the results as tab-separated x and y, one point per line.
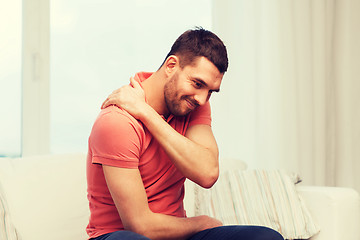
97	45
10	77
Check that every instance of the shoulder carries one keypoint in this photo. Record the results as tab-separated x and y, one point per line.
113	121
202	110
201	115
116	138
116	117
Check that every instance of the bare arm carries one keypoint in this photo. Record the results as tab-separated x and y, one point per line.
195	154
130	198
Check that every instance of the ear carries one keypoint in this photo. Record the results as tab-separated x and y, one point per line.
171	65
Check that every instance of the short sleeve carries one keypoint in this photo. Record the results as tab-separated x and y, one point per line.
115	139
201	115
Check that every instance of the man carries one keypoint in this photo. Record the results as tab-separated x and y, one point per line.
148	138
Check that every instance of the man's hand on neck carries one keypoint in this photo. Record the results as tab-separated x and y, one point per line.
131	98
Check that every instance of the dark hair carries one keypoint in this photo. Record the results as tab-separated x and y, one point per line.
200	43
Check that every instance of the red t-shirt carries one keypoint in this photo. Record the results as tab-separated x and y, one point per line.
118	139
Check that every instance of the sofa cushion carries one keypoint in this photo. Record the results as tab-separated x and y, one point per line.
337	209
225	164
46	196
7	229
258	197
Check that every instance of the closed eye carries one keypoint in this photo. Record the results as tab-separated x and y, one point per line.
197	84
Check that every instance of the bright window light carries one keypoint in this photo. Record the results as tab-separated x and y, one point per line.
10	78
96	45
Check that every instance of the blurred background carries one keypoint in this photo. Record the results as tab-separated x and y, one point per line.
289	100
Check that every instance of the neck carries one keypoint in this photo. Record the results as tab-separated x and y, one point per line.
154	92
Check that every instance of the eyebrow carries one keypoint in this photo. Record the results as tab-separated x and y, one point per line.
205	84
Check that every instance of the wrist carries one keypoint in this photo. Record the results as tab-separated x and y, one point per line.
146	113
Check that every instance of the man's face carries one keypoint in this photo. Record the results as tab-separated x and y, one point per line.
191	86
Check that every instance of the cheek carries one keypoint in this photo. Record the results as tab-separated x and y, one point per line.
188	89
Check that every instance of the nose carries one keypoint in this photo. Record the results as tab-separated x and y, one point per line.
201	98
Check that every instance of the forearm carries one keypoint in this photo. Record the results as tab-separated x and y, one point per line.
195	161
160	226
128	192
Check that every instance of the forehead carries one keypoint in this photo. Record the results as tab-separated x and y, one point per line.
204	70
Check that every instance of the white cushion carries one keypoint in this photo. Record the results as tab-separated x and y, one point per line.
7	229
337	209
258	197
46	196
225	164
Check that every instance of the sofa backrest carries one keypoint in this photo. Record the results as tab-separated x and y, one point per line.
46	196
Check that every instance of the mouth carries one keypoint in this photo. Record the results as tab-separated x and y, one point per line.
190	104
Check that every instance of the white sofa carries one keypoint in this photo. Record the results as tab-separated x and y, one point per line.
45	199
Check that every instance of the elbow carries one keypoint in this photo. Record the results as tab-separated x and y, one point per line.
210	179
209	183
137	228
137	225
145	228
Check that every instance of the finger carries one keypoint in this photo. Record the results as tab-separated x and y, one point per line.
104	104
134	83
107	104
107	100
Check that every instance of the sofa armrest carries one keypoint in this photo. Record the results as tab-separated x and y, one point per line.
336	210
